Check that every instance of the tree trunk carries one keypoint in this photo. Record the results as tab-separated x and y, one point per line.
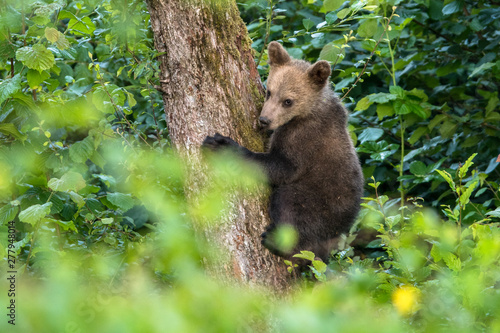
210	84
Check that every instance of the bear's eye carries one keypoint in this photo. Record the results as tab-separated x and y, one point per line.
268	94
287	102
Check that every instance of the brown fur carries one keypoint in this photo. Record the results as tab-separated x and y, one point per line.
311	165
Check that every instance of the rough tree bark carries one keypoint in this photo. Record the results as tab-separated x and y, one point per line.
210	84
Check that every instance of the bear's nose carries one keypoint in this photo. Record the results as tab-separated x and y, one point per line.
264	121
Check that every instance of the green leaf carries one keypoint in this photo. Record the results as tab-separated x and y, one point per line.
9	87
331	17
436	9
492	104
382	98
464	168
494	213
57	204
480	69
121	200
417	109
451	8
332	52
7	50
319	265
81	27
130	99
95	205
107	220
417	134
368	28
401	26
66	225
448	178
11	129
448	128
52	34
77	198
398	91
475	25
418	168
36	57
471	141
110	239
24	103
343	13
418	93
40	20
70	181
492	117
46	10
64	14
62	43
400	107
383	199
465	196
81	151
8	213
384	110
97	159
308	24
370	134
379	150
452	261
35	213
308	255
436	120
436	253
363	104
331	5
35	78
392	221
101	100
320	277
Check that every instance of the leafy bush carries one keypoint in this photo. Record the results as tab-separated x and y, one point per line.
84	163
59	111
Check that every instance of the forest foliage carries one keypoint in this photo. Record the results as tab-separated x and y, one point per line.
92	205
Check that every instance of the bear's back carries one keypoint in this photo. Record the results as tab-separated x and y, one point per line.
324	199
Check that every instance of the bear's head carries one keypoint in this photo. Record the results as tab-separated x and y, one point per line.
294	87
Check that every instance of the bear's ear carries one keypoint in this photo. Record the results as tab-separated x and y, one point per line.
319	73
277	54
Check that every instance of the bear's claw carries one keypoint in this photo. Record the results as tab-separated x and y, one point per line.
218	141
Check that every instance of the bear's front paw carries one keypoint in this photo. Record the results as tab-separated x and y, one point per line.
218	142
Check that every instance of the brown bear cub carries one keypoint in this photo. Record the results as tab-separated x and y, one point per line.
311	166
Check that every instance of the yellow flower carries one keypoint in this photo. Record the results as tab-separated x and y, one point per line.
406	299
